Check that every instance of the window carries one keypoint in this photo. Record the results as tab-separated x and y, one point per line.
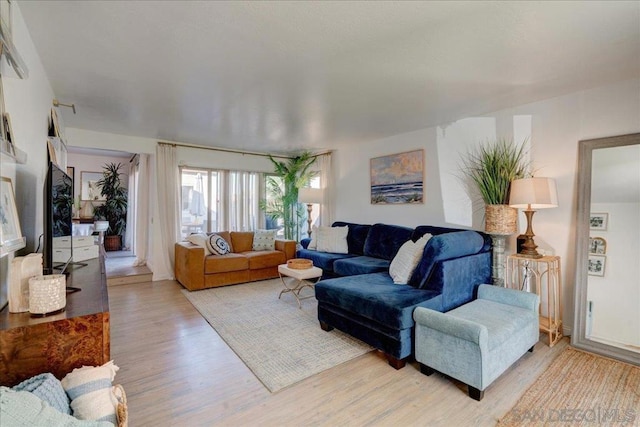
217	200
274	188
196	201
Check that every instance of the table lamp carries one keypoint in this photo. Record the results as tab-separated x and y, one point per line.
309	196
531	194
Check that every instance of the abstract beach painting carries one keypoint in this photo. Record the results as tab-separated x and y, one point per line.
397	178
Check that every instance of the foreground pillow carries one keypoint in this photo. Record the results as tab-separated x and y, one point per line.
217	245
332	239
91	392
313	244
200	239
264	240
407	259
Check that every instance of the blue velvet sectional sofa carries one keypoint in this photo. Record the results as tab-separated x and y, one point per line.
358	296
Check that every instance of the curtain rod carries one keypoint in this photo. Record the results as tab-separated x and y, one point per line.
231	150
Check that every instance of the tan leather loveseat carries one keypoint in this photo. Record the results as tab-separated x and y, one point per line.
196	271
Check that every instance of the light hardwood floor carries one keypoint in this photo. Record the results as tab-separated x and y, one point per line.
177	371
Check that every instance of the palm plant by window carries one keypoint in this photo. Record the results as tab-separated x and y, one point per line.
283	192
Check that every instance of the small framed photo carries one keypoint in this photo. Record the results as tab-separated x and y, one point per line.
598	221
597	245
596	265
8	132
10	234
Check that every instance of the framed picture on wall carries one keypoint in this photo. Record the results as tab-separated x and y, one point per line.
597	245
89	188
596	265
397	178
599	221
10	234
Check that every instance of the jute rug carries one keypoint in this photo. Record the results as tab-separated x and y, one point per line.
279	342
580	389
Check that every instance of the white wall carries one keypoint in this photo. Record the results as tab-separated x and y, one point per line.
109	141
556	127
28	103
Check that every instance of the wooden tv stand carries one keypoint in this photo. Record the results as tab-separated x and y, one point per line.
78	336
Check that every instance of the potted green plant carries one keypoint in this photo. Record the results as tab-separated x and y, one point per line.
114	208
491	167
283	192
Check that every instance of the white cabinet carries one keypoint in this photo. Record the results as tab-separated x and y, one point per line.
84	248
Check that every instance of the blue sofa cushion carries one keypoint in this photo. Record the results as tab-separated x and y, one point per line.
441	247
434	230
384	240
360	265
324	260
421	230
375	297
356	237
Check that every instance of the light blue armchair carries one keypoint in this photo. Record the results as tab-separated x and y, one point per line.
477	342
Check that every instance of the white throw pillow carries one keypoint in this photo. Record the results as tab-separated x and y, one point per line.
332	239
200	239
91	393
407	259
313	244
264	240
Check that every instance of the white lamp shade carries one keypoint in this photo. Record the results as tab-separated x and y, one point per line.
310	195
533	193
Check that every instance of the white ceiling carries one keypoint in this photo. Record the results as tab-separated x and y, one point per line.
285	76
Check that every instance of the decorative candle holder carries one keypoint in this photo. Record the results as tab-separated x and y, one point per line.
47	295
22	268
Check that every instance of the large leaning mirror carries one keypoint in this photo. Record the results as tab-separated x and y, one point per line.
607	303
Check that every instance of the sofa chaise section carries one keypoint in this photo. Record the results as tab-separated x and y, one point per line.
378	311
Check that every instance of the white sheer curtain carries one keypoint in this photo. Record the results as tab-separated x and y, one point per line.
168	182
142	217
243	191
131	207
327	183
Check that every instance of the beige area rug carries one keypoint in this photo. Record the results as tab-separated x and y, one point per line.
279	342
580	389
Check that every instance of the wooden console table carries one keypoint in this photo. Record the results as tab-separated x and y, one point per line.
544	278
58	344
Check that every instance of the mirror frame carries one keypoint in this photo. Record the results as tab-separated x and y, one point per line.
578	337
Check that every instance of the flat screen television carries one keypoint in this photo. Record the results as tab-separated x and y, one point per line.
58	213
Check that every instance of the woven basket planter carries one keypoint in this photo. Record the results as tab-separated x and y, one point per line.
500	219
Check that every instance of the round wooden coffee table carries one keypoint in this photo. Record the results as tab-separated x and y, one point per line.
302	279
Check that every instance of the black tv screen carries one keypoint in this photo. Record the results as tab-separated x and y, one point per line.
58	208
